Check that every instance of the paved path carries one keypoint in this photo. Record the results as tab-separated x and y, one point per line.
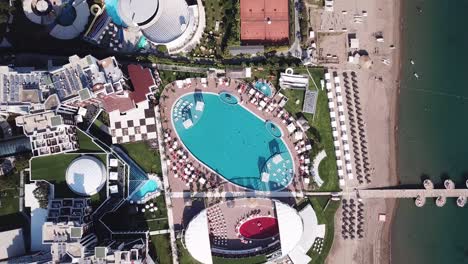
295	49
21	192
411	193
159	232
248	194
167	197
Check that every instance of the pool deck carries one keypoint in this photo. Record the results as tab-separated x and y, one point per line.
171	94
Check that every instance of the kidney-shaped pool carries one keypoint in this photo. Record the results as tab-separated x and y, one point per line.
233	141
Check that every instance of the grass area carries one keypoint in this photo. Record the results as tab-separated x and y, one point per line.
320	132
249	260
127	218
148	159
162	248
325	215
9	194
184	255
86	143
9	200
214	42
168	77
98	123
53	168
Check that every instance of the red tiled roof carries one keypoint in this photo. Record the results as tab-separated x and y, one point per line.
254	17
142	80
114	102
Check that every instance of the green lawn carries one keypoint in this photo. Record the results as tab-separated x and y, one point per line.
144	156
86	143
162	248
53	168
9	194
325	211
320	132
251	260
184	255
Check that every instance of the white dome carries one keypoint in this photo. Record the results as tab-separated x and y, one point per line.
138	12
171	22
86	175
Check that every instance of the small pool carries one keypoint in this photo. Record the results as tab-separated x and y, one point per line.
112	9
147	187
263	87
273	129
228	98
233	142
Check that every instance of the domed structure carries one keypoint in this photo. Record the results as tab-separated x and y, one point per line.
86	175
253	226
160	21
64	19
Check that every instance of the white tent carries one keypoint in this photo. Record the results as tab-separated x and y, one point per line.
277	159
187	123
265	177
291	127
200	106
298	135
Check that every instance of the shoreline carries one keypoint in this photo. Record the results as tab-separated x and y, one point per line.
392	209
379	89
396	113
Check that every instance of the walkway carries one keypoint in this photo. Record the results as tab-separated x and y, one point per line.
411	193
248	194
295	49
159	232
167	197
315	167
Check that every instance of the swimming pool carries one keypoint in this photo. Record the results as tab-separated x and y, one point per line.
263	87
112	7
146	187
232	141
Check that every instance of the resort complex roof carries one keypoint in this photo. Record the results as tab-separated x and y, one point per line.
13	243
86	175
252	226
138	13
66	18
142	80
197	238
264	21
171	21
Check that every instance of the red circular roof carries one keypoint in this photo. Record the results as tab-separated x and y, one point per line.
259	228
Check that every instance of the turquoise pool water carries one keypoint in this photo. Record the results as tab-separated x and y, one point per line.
112	7
233	142
147	187
263	87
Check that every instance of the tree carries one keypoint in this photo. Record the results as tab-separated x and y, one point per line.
41	193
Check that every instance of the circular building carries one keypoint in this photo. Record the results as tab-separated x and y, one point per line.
167	22
86	175
250	227
64	19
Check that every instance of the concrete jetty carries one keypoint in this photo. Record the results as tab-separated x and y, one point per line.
412	193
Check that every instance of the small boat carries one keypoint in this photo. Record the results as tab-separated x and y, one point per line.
412	62
416	75
419	9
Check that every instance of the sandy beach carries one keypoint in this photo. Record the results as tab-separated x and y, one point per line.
367	20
